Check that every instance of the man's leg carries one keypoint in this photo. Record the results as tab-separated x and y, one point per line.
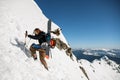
33	52
42	55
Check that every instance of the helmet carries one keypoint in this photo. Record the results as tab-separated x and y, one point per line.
44	45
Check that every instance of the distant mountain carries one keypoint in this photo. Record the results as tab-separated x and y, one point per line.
91	54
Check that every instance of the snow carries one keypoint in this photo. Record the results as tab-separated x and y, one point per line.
100	70
17	16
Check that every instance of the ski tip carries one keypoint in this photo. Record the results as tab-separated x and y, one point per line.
50	20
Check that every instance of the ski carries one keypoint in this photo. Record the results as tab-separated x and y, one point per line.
48	38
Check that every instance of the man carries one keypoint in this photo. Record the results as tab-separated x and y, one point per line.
41	37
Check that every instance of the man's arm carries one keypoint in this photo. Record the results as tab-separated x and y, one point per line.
42	34
33	37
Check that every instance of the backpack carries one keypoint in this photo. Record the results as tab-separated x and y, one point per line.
51	41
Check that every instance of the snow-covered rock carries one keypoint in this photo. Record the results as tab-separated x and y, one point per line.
103	69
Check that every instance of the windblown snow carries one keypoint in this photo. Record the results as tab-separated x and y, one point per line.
17	16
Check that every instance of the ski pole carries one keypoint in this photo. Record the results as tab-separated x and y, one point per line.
26	43
25	37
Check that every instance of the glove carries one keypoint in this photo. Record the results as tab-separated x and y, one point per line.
29	36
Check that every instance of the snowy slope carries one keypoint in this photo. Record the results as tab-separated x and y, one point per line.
103	69
17	16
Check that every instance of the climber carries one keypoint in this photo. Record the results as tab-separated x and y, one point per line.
41	37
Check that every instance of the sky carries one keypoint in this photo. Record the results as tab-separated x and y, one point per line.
86	23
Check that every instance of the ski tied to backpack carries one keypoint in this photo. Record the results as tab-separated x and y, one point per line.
48	53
